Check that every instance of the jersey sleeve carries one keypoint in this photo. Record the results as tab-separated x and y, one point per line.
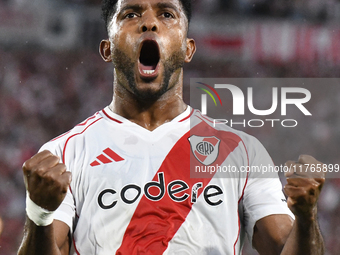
263	194
66	211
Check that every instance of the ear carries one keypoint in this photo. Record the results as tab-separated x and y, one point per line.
191	49
105	50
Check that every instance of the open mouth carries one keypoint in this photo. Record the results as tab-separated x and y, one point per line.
149	58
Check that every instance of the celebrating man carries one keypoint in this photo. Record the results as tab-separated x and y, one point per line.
119	182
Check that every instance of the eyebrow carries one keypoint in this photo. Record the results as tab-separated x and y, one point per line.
165	5
135	7
139	7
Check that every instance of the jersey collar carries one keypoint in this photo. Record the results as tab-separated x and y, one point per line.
120	120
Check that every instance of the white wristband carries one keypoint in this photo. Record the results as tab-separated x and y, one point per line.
40	216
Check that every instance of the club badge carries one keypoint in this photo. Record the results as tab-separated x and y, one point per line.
205	149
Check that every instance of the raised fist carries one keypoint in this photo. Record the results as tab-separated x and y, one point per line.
46	180
304	183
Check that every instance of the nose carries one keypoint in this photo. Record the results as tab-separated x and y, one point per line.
149	23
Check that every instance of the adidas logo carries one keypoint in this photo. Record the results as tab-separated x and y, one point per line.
108	156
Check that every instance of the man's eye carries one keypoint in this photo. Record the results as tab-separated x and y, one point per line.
167	15
130	15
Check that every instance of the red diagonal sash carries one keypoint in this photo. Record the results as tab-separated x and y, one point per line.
154	223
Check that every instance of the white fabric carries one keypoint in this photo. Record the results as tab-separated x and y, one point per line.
206	230
37	214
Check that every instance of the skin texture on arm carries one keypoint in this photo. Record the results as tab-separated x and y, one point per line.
278	234
50	240
305	238
271	233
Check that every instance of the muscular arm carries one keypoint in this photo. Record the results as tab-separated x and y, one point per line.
50	240
305	238
278	234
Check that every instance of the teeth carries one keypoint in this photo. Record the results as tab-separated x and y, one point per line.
148	71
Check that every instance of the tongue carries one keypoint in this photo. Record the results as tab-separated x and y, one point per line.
144	67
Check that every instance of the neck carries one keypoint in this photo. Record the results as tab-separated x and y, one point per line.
149	115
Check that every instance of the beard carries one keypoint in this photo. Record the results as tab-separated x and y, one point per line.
126	66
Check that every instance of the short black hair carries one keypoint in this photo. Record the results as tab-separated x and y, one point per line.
109	8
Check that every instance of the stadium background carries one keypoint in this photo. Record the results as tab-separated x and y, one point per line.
51	78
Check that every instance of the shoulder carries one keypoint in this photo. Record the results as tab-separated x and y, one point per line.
58	144
207	123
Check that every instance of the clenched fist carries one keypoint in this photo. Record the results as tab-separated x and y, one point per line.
46	180
305	179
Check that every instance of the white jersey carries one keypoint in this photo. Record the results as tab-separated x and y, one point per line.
135	191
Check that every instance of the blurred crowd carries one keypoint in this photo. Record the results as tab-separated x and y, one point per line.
41	95
45	93
318	10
